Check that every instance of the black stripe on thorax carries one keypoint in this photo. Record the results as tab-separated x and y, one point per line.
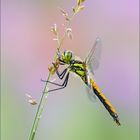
72	65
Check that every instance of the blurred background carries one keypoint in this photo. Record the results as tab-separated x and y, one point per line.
28	48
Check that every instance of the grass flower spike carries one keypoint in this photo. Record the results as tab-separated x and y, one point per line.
55	64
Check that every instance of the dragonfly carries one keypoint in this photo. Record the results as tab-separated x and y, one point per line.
85	70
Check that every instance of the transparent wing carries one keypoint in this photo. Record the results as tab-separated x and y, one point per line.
92	59
90	94
89	90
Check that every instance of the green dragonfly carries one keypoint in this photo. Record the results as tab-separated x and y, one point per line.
85	70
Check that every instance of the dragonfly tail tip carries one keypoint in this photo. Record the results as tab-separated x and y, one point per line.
118	122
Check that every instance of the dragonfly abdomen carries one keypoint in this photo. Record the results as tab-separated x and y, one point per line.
105	102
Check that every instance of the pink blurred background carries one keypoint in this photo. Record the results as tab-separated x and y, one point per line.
28	48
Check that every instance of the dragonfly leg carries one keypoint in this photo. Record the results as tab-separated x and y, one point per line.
53	83
61	86
61	75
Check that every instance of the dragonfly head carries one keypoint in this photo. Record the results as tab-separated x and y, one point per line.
67	56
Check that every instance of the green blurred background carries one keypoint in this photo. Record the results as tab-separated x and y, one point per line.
28	49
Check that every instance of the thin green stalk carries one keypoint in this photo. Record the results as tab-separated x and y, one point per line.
36	119
45	91
41	103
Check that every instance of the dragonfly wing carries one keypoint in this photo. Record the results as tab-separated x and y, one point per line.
92	59
89	90
90	94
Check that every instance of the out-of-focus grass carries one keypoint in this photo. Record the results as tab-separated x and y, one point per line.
84	121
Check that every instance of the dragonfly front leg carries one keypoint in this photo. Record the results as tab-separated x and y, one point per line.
61	85
61	75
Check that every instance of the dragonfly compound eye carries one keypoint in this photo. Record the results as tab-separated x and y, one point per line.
67	56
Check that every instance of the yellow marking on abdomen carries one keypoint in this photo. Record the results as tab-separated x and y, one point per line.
105	101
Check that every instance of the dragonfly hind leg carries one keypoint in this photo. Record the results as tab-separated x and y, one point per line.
61	86
60	75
